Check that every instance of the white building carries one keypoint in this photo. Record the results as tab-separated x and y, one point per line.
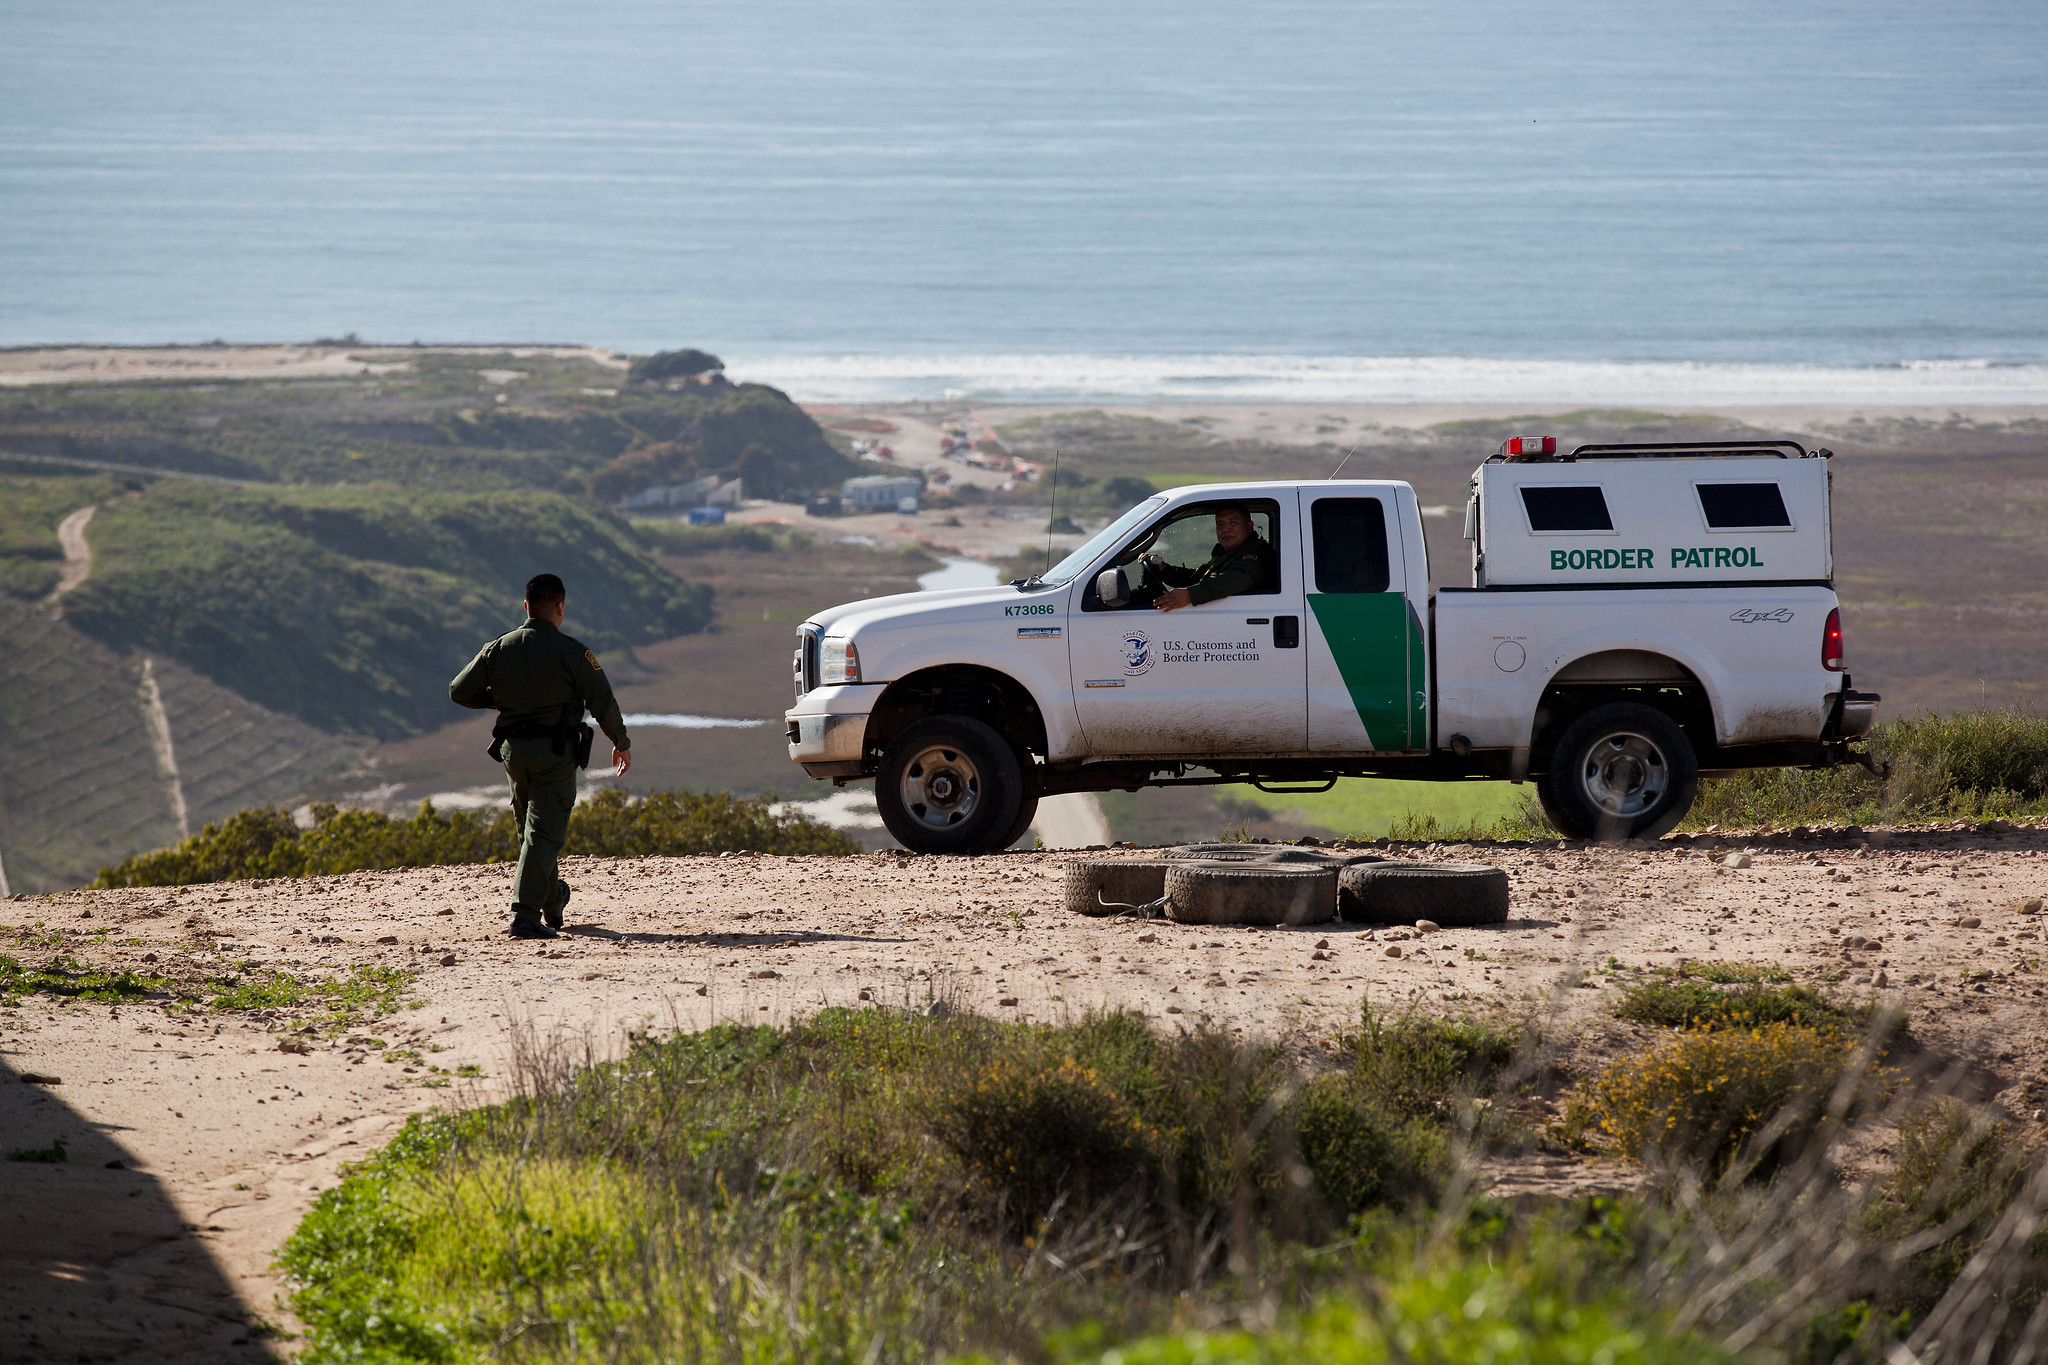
708	491
880	493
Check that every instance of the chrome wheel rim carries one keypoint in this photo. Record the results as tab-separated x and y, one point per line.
1625	775
941	787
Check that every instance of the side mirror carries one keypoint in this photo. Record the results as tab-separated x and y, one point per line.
1113	588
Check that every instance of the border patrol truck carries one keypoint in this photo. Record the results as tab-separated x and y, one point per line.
1638	617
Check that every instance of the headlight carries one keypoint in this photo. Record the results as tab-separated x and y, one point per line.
840	662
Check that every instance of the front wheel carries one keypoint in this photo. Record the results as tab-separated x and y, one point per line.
949	784
1621	771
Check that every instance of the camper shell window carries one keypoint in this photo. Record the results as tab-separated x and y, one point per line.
1555	510
1743	507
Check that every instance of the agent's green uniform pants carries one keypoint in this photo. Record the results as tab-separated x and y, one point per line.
543	791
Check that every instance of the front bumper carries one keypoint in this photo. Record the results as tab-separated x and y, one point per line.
828	727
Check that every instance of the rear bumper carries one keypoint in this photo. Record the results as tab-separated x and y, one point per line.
1858	713
827	729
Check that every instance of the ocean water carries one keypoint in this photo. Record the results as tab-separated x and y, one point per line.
1318	199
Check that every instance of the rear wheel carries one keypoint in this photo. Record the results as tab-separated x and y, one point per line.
1621	771
950	784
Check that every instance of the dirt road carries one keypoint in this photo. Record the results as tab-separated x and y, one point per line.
225	1140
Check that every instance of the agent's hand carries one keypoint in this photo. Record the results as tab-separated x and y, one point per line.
1174	601
621	760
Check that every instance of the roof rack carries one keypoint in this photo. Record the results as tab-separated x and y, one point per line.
1681	449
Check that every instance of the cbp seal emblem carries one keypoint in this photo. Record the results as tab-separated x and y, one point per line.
1137	653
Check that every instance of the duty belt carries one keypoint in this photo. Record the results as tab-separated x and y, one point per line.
565	731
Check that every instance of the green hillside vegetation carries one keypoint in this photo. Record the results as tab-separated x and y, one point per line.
351	606
30	508
565	425
267	842
81	783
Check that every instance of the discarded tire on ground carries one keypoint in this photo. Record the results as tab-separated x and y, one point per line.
1269	853
1402	893
1121	881
1250	893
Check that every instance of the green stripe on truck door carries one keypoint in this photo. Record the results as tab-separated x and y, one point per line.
1378	647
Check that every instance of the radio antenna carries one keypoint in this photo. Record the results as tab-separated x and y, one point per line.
1052	510
1346	460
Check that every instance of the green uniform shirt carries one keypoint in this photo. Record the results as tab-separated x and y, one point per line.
528	674
1251	566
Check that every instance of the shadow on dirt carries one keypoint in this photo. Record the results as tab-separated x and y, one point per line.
96	1263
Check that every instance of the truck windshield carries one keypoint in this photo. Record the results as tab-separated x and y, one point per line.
1100	542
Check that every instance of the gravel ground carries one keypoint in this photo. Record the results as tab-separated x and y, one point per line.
224	1140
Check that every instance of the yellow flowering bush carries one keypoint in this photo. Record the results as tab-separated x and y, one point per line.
1702	1094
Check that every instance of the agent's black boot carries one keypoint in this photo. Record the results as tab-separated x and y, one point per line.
557	904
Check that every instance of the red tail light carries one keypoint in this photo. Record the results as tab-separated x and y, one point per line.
1526	446
1831	642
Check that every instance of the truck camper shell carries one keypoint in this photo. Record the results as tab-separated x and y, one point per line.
1690	514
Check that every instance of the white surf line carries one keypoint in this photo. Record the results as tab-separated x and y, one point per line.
159	723
681	722
77	551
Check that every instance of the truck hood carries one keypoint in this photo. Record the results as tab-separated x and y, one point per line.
934	607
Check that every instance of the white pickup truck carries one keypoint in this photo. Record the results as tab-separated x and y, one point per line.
1639	616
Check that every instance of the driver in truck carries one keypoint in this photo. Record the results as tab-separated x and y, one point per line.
1241	561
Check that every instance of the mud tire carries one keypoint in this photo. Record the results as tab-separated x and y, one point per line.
1621	771
1127	881
983	785
1449	894
1268	854
1250	893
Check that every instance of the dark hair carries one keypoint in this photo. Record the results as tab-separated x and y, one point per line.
544	590
1220	508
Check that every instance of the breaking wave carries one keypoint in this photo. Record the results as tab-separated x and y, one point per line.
1381	379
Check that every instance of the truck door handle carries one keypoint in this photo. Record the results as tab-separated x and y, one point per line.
1287	632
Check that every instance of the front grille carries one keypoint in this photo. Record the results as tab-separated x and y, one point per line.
808	640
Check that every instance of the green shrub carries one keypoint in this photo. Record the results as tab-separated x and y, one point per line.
1421	1065
1957	1170
267	842
1039	1129
1967	764
1361	1156
1689	1002
673	823
1459	1314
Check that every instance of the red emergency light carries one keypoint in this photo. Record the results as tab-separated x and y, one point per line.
1527	447
1831	642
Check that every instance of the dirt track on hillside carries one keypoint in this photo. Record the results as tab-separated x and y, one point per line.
226	1140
